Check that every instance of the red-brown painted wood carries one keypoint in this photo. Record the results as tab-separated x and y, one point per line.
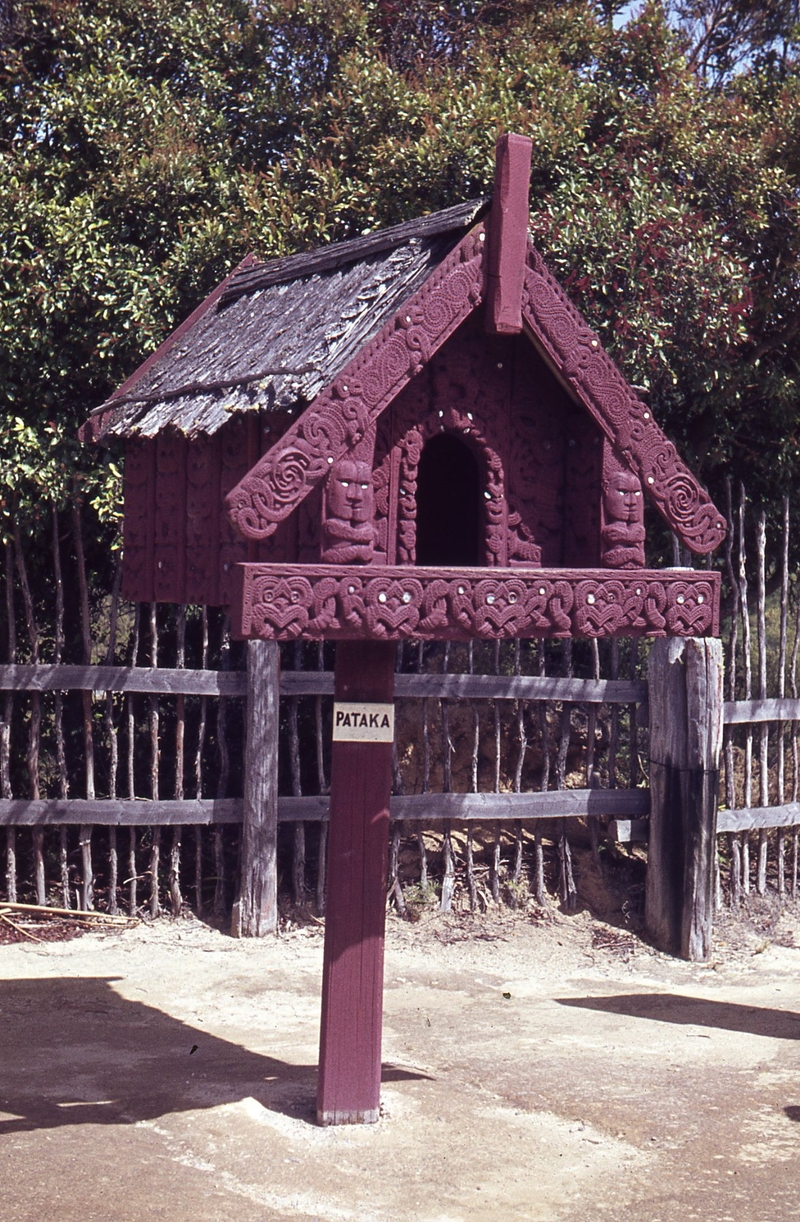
348	1089
139	527
508	235
281	602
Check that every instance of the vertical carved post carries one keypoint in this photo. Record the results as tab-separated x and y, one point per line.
685	742
258	899
348	1090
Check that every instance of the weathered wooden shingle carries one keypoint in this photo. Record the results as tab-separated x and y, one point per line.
282	331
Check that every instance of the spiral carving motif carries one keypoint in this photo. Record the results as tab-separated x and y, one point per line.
283	602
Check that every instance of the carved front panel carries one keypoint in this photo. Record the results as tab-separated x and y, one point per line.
284	602
499	398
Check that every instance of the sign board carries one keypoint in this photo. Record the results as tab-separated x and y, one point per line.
363	722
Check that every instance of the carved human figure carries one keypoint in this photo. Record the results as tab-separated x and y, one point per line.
623	520
348	532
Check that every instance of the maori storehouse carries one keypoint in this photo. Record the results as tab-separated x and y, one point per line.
414	434
423	398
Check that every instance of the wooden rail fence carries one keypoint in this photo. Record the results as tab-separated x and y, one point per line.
500	749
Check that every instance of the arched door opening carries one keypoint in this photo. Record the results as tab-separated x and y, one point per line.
449	513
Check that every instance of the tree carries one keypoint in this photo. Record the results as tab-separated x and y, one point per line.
723	36
136	141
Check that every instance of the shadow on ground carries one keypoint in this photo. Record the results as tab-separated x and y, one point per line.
695	1011
75	1052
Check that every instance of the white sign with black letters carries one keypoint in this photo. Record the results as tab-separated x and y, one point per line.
363	722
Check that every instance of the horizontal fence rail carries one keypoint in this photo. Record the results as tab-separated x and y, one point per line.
750	818
152	681
164	681
752	712
430	807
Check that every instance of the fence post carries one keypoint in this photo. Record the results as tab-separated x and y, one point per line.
685	681
256	911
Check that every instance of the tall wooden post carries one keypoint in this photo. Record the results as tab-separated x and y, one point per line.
256	912
348	1089
685	681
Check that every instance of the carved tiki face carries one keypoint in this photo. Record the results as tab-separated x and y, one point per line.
622	498
349	494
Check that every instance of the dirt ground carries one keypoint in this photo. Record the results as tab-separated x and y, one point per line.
536	1067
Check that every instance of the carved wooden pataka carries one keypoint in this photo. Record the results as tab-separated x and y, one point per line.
414	435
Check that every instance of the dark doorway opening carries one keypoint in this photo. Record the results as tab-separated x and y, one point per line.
448	504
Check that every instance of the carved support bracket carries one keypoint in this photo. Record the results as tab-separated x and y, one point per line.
377	602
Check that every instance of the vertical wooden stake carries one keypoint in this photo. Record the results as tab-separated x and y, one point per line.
348	1089
685	743
258	897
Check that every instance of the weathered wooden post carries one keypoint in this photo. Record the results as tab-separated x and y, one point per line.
685	682
256	911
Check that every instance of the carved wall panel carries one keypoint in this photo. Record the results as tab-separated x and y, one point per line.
583	473
535	460
236	442
283	602
177	537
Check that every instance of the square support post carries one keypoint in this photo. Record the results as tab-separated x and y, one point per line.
685	681
256	912
348	1088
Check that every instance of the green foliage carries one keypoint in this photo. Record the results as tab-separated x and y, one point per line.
136	141
146	147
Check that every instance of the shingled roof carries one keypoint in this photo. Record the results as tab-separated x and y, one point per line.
275	334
